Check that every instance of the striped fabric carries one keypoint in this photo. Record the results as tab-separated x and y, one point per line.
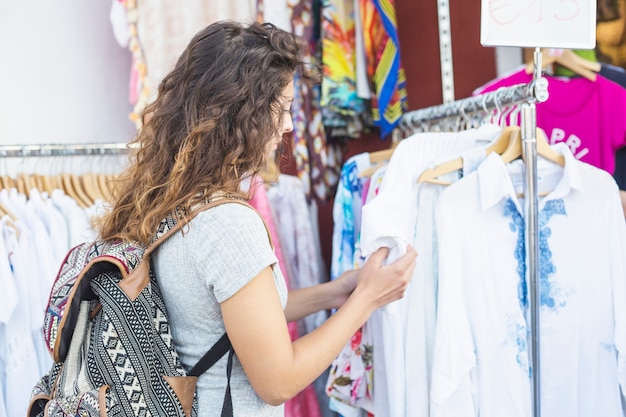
385	69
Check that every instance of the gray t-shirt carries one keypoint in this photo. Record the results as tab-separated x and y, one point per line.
221	250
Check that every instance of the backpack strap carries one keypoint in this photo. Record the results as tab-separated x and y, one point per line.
223	345
214	354
184	386
169	226
136	281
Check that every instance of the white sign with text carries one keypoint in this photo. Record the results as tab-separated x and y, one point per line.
567	24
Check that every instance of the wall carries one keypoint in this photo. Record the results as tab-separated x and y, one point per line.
63	77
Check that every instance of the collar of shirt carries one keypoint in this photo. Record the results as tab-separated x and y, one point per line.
495	182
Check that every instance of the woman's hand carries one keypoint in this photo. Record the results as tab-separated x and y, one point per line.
381	284
255	321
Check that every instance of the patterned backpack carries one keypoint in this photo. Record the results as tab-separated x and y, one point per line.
107	330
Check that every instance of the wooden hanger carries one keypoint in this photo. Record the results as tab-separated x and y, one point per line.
499	145
379	159
90	188
79	187
68	188
28	183
514	150
104	182
5	211
55	182
48	184
568	59
102	193
544	150
7	182
20	185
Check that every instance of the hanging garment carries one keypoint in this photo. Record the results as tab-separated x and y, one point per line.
20	359
301	249
347	215
587	116
401	213
305	403
341	106
317	160
382	46
481	364
161	30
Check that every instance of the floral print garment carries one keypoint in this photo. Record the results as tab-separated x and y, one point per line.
351	373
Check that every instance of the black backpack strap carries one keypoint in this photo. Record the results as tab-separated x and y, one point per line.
217	351
223	345
227	405
214	354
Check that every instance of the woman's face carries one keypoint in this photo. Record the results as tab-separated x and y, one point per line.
283	119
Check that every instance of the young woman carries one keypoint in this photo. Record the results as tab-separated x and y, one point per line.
217	119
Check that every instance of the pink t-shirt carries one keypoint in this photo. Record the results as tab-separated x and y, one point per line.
590	117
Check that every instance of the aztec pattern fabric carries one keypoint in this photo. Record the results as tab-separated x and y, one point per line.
119	359
384	67
70	276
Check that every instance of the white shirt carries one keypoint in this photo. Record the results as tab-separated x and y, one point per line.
79	224
54	223
402	213
21	366
47	264
481	363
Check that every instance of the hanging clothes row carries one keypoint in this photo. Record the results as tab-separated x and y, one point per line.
48	199
457	343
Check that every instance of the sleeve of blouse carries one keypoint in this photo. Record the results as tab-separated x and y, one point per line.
239	249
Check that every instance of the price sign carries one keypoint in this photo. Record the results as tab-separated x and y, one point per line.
569	24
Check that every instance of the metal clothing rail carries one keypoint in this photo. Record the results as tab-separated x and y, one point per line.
64	149
494	100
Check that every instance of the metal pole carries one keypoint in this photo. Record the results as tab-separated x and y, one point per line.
529	143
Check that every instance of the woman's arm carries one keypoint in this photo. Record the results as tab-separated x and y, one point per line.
326	296
256	325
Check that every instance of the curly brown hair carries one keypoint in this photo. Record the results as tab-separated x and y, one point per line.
209	125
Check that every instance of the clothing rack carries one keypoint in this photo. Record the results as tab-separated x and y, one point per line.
64	149
525	95
494	100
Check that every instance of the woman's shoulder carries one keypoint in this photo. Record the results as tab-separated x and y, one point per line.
230	215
